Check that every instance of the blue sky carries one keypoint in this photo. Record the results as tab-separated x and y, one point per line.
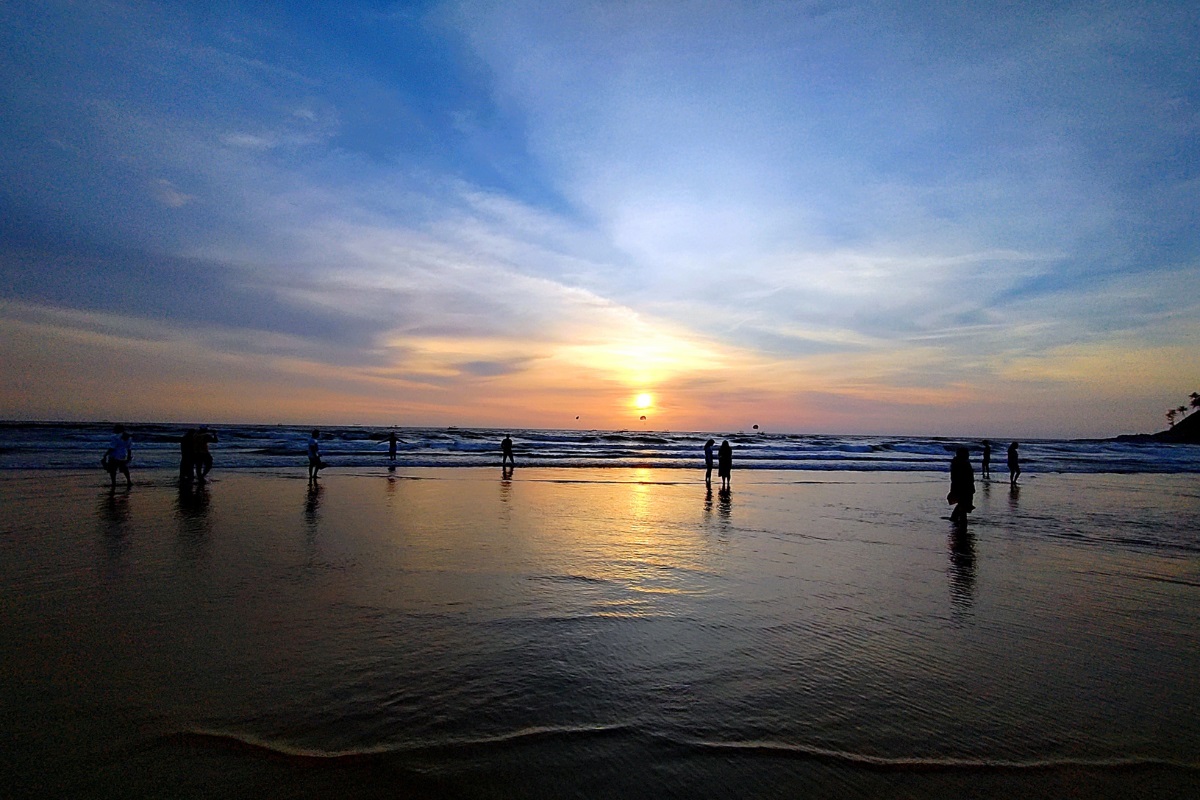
960	219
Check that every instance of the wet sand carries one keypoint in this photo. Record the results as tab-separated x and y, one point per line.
620	632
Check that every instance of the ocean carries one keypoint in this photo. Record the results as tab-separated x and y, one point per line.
80	445
597	623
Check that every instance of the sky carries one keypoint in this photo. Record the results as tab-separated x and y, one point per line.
960	219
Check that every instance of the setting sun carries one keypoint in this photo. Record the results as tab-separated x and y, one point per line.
644	400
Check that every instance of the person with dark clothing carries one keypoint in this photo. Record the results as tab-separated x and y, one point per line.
203	458
725	463
1014	464
392	440
708	462
187	455
314	455
506	452
962	485
985	468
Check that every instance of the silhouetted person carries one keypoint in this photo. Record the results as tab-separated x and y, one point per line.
119	454
314	455
725	464
962	485
708	462
203	458
985	468
1014	463
392	446
187	455
506	452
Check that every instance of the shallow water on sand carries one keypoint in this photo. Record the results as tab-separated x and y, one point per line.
599	633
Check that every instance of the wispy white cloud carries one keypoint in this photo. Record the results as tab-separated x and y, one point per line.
169	195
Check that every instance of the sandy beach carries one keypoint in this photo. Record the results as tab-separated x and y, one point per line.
598	633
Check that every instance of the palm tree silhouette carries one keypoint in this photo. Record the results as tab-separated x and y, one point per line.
1171	418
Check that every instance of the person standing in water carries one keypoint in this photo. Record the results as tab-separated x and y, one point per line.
962	485
203	458
1014	464
314	455
708	462
118	456
985	468
392	446
725	464
187	455
506	453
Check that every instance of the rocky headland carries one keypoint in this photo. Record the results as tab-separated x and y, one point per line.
1186	431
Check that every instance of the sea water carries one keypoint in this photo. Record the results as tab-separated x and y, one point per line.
597	632
80	445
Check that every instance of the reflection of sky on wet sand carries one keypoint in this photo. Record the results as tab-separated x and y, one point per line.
834	611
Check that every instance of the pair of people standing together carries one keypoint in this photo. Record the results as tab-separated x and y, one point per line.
1014	461
194	459
724	462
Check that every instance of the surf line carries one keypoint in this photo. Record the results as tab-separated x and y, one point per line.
254	744
933	764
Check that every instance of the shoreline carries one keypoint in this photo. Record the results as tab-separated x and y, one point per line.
160	475
356	450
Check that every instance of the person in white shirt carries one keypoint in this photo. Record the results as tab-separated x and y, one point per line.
118	456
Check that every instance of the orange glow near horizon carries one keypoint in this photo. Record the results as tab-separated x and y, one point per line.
66	361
